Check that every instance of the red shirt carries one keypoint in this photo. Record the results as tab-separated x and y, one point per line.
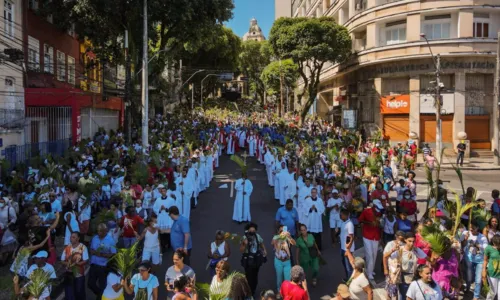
410	205
377	194
138	190
130	225
291	291
370	232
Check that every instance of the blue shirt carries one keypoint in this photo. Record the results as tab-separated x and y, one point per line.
179	228
287	218
106	245
56	206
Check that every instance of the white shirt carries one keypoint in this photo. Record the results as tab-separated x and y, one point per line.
109	292
47	268
346	229
335	212
419	290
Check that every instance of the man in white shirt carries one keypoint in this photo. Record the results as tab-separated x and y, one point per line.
333	207
346	241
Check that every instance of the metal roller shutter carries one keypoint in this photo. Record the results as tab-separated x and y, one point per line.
396	127
428	128
478	131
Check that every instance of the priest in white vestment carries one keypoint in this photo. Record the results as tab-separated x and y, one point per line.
269	161
286	179
231	144
160	208
314	208
242	136
304	192
185	187
244	188
252	144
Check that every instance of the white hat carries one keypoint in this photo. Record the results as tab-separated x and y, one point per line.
378	204
335	191
41	254
161	186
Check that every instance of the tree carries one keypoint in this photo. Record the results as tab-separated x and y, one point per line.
254	57
310	43
273	72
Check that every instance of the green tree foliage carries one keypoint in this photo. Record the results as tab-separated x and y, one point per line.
271	74
310	42
254	57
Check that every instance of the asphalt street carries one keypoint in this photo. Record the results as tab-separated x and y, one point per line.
215	209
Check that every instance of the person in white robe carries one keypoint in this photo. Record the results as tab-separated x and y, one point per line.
269	161
209	168
252	144
193	176
261	146
242	136
279	167
164	221
286	179
202	163
304	192
314	208
185	186
231	144
244	188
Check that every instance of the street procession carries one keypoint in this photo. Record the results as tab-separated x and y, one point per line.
183	150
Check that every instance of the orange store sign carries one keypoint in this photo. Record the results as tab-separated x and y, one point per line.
395	104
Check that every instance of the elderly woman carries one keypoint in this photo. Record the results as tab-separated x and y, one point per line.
359	286
296	288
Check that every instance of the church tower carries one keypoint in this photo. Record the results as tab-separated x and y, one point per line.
254	33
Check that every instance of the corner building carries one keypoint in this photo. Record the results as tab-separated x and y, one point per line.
387	82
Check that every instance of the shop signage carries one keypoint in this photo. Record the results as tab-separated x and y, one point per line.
350	118
445	65
78	128
427	104
399	104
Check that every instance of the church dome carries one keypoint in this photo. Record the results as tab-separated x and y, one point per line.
254	32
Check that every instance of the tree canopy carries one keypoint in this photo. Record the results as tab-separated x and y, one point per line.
254	57
272	73
310	43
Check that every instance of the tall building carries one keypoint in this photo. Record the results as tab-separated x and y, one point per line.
254	32
388	81
11	75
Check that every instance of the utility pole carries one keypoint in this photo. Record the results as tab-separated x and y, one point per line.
439	141
281	92
127	98
496	102
192	96
145	87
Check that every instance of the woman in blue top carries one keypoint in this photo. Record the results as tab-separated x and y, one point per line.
402	223
143	285
474	243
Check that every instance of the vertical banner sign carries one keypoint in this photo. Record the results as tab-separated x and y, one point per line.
78	128
350	118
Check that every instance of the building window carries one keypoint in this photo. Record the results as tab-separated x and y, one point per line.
61	66
71	70
33	4
48	59
481	29
10	81
437	27
395	33
33	54
71	30
8	18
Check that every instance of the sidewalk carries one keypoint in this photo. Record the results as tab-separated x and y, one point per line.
471	163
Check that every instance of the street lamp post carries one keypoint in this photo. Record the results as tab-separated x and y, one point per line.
145	87
437	102
201	91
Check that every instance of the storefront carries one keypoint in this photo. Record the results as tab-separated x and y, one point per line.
395	112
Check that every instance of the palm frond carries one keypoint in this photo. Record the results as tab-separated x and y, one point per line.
427	230
460	176
206	292
438	241
39	281
21	256
240	162
140	173
125	260
460	210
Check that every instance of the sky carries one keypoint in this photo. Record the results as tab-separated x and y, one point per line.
245	10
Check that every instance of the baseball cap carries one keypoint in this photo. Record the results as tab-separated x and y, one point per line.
343	291
378	204
335	191
41	254
161	186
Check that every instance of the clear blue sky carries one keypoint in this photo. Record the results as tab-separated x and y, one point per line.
245	10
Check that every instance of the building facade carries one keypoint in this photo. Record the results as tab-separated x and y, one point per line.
11	74
254	32
389	81
64	96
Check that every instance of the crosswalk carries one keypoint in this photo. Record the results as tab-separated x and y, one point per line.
423	191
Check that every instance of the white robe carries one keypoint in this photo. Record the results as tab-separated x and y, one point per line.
187	187
163	219
230	145
241	212
269	160
260	147
304	192
202	174
277	172
314	218
242	136
286	180
252	145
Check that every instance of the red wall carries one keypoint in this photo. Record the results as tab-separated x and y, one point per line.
46	33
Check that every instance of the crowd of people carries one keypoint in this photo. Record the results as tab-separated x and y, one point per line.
107	199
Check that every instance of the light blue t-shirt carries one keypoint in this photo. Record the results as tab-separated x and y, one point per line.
149	284
179	228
